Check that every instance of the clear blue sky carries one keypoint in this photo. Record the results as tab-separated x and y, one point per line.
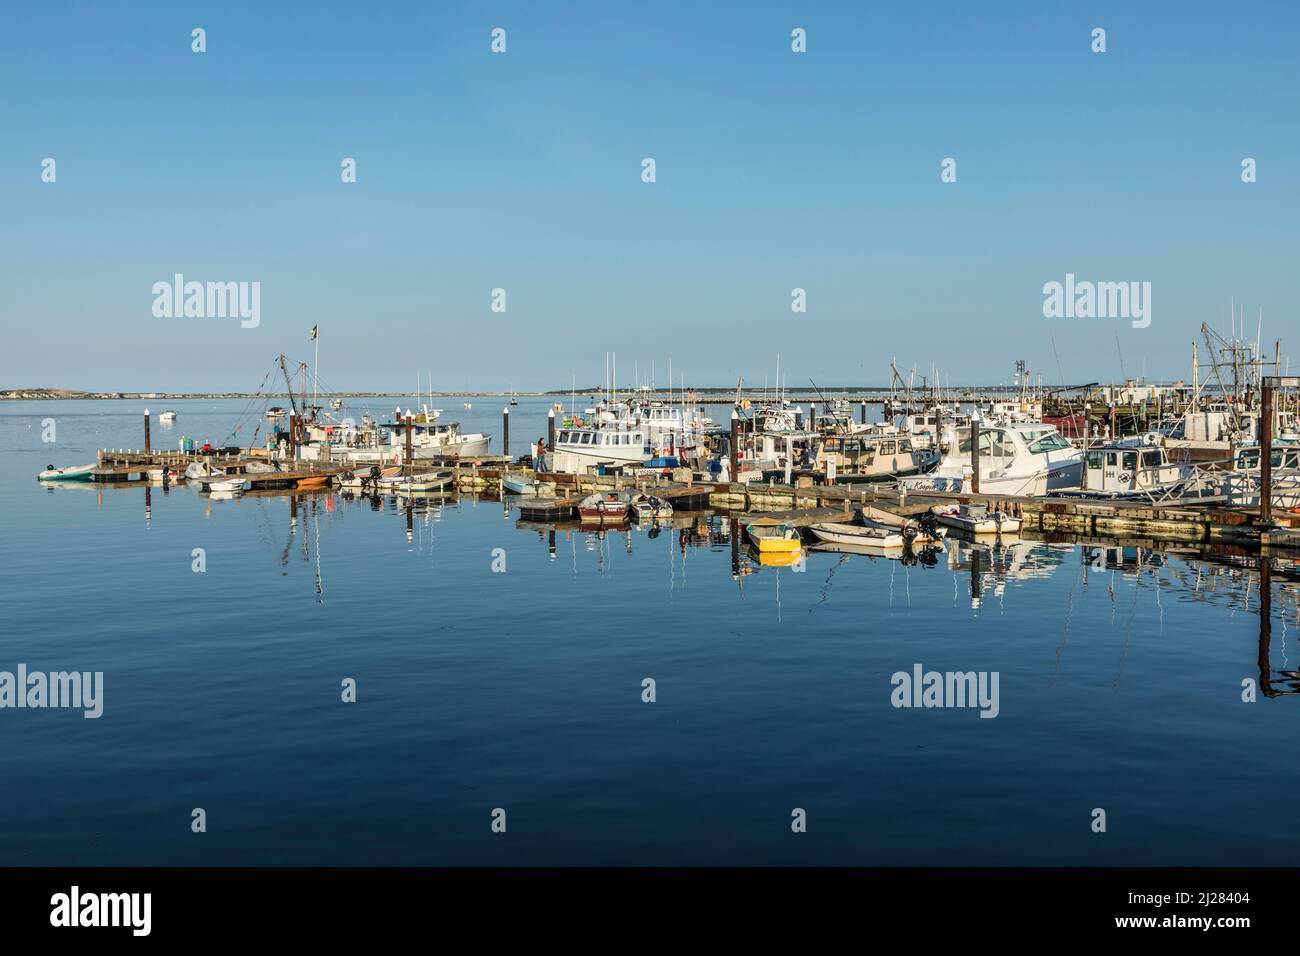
522	171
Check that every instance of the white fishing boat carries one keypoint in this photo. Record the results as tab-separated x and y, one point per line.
650	508
579	449
167	417
434	439
976	519
78	473
1026	459
275	413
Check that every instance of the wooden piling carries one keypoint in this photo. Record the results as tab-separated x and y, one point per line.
975	454
1266	455
735	445
147	446
505	431
409	428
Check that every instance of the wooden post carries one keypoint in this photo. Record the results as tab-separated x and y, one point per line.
975	454
812	416
862	413
1266	456
735	445
146	431
505	431
550	436
409	428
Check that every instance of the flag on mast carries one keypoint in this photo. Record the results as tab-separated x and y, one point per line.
313	332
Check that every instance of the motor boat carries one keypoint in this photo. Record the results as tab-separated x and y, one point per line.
769	534
650	508
78	473
976	519
607	507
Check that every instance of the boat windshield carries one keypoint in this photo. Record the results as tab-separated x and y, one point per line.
1044	441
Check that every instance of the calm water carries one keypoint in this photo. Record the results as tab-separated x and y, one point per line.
1120	686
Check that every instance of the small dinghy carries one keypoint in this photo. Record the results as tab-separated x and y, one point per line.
419	484
925	530
228	486
768	534
871	536
976	519
79	473
607	507
650	508
168	476
526	486
361	480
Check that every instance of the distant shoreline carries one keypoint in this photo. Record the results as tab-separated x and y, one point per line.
713	393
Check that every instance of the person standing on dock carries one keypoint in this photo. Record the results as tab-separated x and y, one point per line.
539	461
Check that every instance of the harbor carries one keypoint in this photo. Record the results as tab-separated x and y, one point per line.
1213	463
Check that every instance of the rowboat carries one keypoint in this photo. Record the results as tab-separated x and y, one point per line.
526	486
169	475
235	486
768	534
418	484
313	481
356	480
79	473
874	536
976	519
607	507
650	507
923	531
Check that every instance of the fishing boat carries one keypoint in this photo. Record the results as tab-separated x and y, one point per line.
434	439
167	417
976	519
275	413
769	534
579	448
78	473
607	507
650	508
1028	459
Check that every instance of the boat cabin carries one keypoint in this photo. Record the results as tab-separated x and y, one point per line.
1120	469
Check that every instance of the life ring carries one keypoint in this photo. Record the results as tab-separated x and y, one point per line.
1125	477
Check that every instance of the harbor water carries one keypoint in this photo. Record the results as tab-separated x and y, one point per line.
505	668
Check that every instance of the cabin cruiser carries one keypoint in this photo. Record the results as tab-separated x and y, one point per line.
1024	458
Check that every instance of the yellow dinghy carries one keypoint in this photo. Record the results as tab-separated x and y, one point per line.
770	535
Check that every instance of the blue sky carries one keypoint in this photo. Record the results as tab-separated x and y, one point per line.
522	171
